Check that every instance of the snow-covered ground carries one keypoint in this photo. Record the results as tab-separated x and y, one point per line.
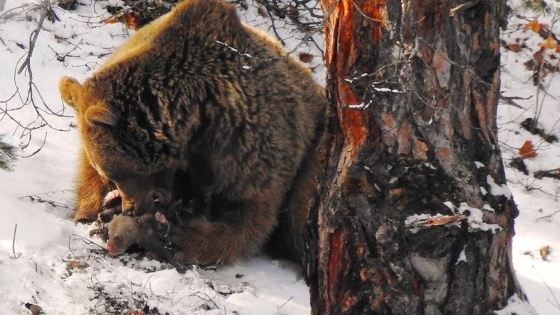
536	245
47	260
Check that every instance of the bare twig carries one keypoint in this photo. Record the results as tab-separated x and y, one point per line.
510	100
83	239
548	217
38	149
557	303
31	95
15	255
39	199
288	301
33	40
300	15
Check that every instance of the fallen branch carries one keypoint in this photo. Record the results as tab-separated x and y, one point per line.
554	173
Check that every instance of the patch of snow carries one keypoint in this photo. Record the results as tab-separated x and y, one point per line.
517	306
475	219
462	256
498	190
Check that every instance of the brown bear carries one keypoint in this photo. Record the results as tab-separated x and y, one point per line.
199	105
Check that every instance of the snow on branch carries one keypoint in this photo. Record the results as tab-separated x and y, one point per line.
473	216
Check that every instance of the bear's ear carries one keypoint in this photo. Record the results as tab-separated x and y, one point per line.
70	90
101	116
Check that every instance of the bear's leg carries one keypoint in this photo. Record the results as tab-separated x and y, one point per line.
288	241
200	241
154	244
90	191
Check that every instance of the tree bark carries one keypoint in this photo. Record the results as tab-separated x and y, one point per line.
414	215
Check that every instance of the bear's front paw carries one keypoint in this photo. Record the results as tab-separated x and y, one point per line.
184	258
111	205
102	232
112	199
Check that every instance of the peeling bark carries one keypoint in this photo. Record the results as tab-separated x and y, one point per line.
407	222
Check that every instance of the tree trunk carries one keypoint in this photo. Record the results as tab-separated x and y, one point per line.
414	215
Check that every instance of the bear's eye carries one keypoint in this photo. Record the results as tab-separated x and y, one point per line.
115	176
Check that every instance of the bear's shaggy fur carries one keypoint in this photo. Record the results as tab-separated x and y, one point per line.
198	105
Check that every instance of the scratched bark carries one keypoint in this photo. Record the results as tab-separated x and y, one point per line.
412	130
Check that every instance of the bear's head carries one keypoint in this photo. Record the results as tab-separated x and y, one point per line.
138	159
